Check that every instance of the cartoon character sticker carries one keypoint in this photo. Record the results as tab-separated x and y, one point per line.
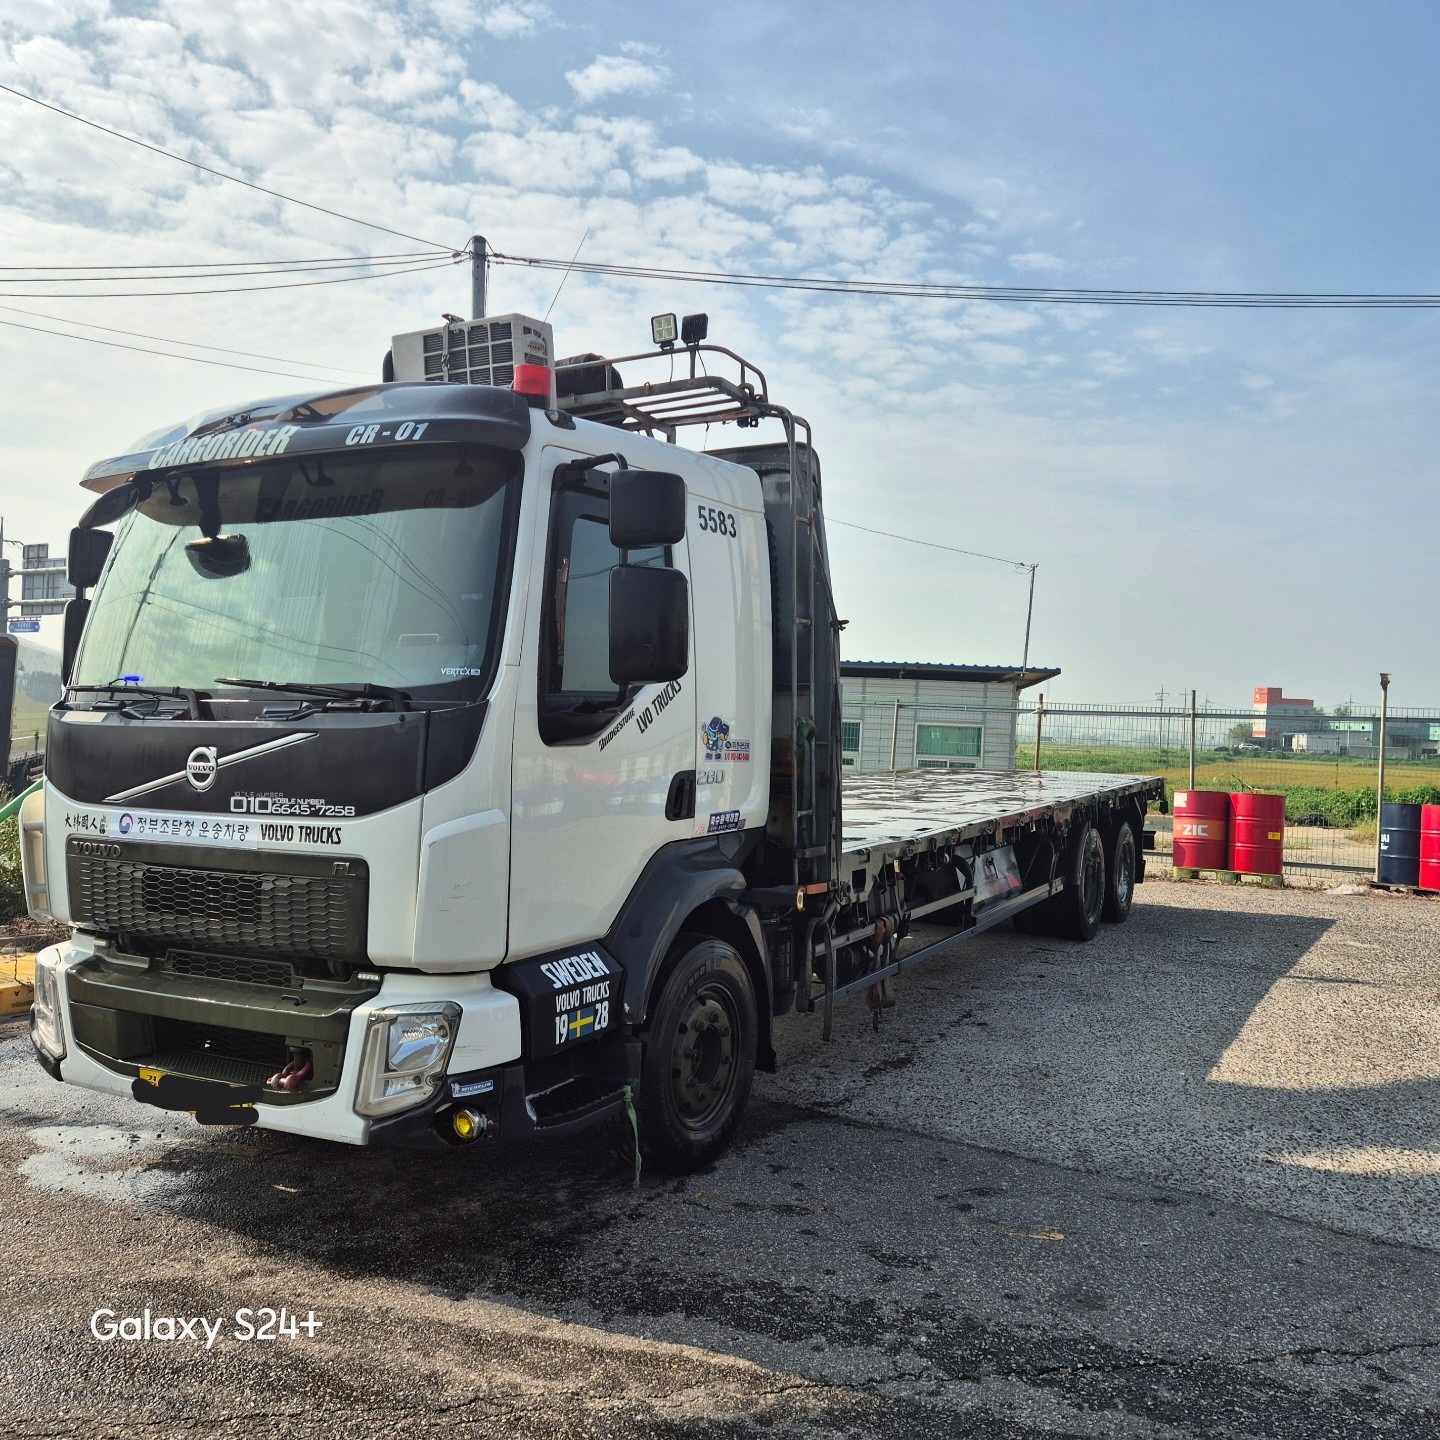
718	744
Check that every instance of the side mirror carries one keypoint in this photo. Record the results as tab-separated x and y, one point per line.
649	625
647	508
88	552
75	612
114	503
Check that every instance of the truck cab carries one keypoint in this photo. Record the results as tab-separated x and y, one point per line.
387	709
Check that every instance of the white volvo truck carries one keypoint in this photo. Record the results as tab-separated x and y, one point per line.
445	762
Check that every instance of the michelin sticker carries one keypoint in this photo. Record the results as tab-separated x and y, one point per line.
715	737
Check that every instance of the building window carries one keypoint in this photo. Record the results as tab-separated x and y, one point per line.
849	744
948	747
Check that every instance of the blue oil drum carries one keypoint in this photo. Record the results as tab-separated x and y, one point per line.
1400	844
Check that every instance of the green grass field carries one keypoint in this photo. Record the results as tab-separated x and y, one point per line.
1328	790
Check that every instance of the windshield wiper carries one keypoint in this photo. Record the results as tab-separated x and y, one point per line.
188	694
400	699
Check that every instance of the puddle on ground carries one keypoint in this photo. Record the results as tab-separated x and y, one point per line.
99	1162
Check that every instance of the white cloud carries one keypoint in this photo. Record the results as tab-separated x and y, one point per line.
520	17
1036	260
614	75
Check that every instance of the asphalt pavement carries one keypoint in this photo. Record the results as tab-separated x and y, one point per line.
1181	1182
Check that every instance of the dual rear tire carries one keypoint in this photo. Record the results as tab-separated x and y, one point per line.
1099	874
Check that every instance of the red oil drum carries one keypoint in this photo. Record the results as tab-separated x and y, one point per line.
1202	829
1257	834
1430	847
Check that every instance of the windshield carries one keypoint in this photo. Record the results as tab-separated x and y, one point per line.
334	570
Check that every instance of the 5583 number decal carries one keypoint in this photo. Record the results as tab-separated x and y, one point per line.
719	522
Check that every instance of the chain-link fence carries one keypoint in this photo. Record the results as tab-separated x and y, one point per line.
1325	764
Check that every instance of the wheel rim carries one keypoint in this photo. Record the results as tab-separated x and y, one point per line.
1124	874
704	1060
1092	879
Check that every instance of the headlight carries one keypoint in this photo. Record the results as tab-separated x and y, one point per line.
406	1051
48	1027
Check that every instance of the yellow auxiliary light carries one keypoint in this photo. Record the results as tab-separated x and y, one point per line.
467	1124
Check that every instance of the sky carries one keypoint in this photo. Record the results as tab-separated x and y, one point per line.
1215	499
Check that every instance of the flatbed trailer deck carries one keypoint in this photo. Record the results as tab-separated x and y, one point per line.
970	850
894	812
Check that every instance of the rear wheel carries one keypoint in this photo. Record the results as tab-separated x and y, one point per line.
699	1057
1120	874
1079	906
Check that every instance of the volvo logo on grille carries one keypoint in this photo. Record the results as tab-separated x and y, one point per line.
102	849
202	767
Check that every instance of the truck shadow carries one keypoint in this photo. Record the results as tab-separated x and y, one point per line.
1036	1028
851	1206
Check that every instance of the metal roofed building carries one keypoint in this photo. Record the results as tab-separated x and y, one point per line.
903	715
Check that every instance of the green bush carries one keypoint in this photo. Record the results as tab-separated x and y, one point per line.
12	884
1311	805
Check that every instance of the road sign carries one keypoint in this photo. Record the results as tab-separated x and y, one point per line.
24	627
43	590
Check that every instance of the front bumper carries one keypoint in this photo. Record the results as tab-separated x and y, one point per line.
488	1039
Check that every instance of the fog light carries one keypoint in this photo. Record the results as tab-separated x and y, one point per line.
467	1124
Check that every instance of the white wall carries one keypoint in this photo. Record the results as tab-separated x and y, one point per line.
871	699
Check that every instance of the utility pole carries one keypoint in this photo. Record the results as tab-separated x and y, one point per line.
1380	782
1192	739
1029	610
479	259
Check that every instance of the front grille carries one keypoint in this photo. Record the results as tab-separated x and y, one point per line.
216	1052
237	969
317	915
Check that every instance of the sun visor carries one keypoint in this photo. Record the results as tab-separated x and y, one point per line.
374	417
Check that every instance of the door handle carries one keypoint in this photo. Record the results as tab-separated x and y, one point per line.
680	802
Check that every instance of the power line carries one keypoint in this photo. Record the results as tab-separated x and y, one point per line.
380	267
933	544
166	354
217	290
201	264
167	340
220	174
1012	294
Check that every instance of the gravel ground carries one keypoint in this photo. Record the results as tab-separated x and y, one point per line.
1180	1182
1277	1048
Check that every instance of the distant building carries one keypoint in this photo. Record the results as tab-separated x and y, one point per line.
1277	715
1284	723
903	716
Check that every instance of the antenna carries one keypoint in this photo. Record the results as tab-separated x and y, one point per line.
566	275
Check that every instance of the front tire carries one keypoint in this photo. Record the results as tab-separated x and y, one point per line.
699	1057
1120	874
1080	905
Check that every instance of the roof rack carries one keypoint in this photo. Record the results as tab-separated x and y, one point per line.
736	392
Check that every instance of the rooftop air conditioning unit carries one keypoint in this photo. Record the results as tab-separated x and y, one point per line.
474	352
